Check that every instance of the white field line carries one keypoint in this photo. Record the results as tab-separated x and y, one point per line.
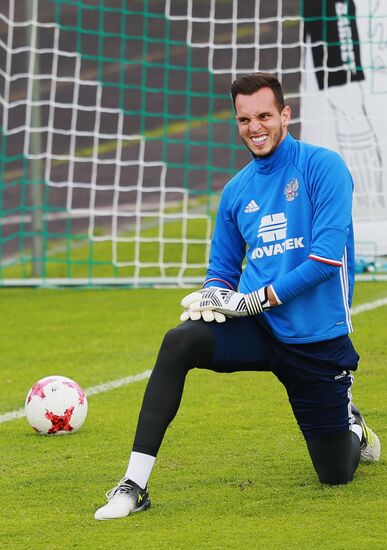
113	384
368	306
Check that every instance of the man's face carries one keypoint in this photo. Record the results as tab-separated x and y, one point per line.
261	126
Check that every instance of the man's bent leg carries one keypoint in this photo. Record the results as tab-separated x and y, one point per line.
318	380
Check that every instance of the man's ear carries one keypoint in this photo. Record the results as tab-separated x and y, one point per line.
286	115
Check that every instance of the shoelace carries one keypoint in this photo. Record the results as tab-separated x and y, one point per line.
122	487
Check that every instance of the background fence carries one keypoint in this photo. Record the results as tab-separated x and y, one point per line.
117	130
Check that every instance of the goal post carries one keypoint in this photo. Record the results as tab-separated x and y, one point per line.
118	135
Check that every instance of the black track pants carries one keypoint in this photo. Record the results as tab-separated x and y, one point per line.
184	347
335	457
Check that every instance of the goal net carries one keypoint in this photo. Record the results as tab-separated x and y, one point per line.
117	131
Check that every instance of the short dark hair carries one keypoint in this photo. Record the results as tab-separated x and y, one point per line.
248	84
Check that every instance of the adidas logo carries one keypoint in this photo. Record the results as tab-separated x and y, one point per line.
251	207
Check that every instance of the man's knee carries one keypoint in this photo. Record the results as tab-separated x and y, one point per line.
335	458
339	475
191	340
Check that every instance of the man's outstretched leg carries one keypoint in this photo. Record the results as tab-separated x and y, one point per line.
185	347
240	344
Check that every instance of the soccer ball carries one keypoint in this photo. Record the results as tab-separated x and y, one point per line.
56	405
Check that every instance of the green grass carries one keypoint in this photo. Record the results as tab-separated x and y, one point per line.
233	471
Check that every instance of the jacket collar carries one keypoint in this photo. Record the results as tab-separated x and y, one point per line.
280	156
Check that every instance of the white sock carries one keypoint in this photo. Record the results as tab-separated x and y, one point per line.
355	428
140	468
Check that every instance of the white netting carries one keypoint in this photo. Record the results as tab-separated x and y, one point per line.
350	117
240	36
251	36
135	132
86	151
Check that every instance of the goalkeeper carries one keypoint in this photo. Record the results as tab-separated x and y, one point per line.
288	212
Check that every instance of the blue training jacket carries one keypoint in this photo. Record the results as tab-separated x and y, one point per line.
289	215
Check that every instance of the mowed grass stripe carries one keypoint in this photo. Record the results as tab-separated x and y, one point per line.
119	382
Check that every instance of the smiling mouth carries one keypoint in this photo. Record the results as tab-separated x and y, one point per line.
260	140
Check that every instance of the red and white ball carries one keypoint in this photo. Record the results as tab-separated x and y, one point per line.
56	405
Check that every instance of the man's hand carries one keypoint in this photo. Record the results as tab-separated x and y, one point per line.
226	302
207	316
